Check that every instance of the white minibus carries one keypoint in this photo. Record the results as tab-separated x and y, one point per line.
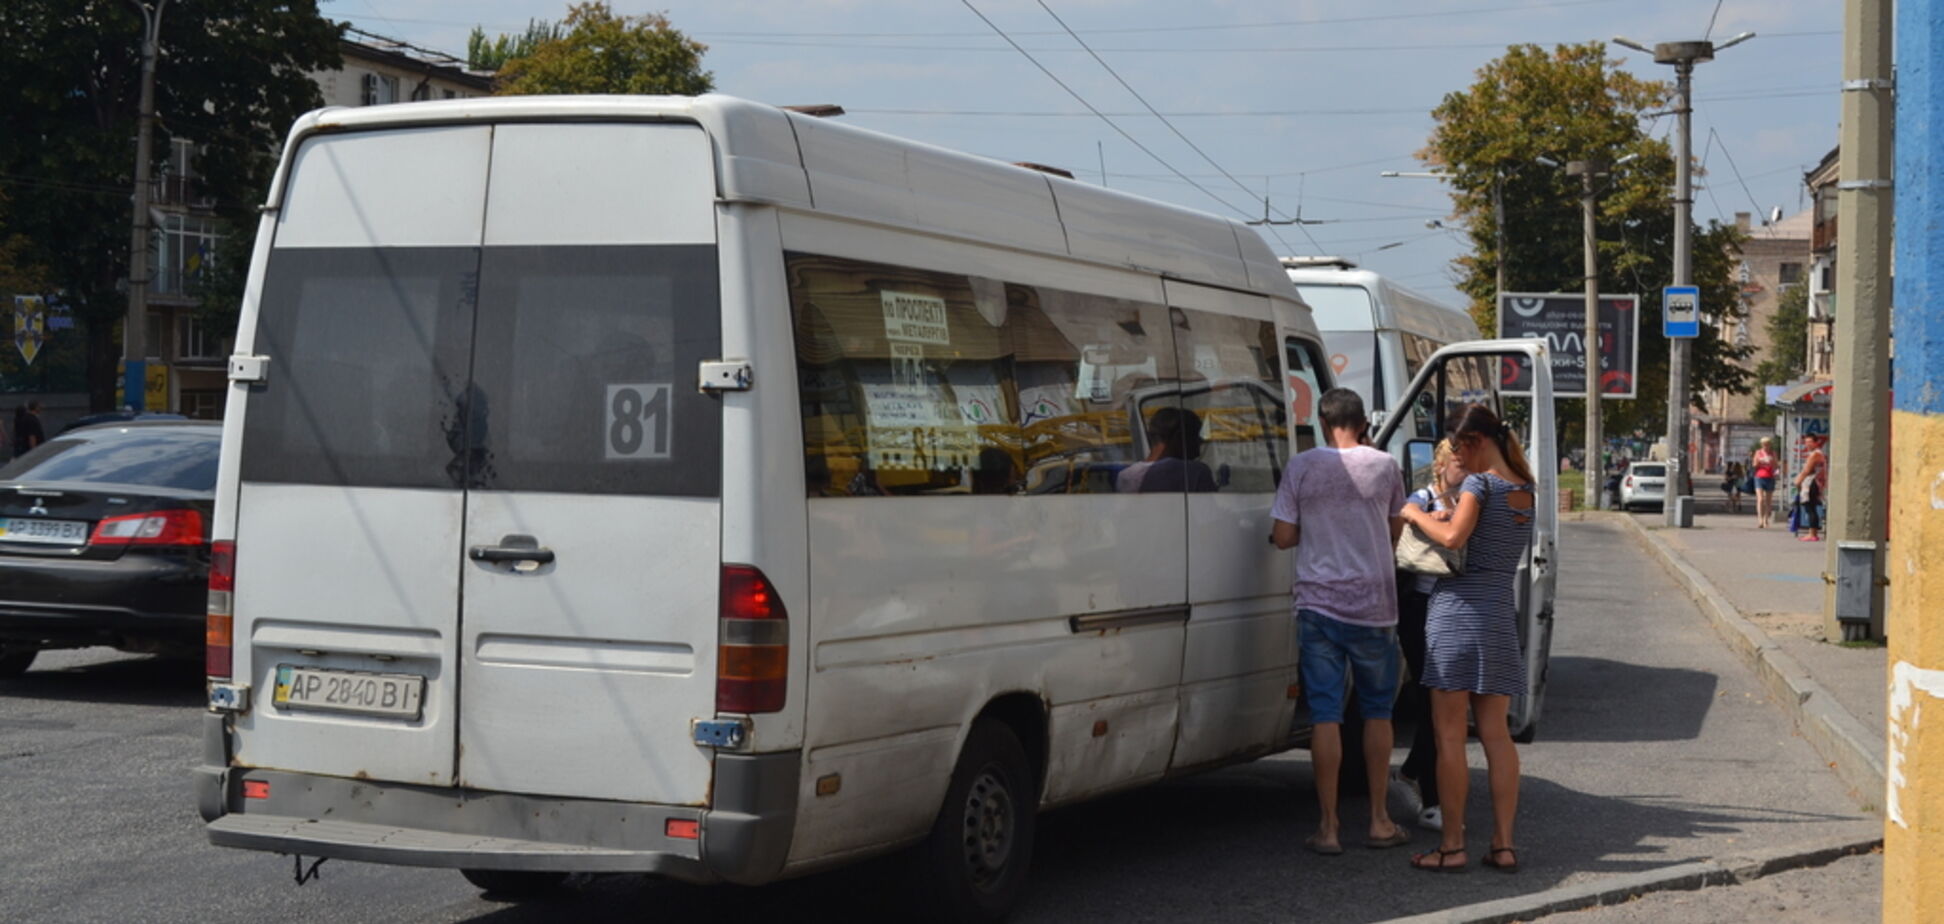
1378	335
691	487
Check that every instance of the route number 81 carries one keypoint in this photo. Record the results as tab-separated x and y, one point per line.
637	421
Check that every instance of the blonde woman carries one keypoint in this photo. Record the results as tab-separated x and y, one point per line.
1472	632
1420	768
1766	464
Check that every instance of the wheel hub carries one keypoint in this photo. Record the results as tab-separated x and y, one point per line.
988	827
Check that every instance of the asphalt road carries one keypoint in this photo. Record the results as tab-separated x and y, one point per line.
1656	748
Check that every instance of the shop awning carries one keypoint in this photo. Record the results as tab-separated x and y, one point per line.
1810	391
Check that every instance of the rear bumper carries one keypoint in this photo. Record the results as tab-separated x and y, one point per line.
744	838
144	601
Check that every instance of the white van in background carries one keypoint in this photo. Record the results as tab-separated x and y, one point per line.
691	487
1379	334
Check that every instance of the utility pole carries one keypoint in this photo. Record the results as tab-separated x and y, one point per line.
1683	56
1859	405
135	324
1913	806
1592	471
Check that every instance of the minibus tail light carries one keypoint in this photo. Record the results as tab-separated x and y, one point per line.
219	624
753	654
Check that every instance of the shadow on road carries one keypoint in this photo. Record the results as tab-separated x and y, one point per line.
1662	703
130	680
1226	846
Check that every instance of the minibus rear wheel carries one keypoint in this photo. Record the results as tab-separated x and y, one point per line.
513	883
973	865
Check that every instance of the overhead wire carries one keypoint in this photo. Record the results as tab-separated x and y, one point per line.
1215	27
1110	122
1170	125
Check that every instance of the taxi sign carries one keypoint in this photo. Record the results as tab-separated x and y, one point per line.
1681	312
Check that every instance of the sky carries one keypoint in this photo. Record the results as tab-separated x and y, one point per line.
1302	101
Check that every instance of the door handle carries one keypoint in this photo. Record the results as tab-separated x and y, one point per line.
514	548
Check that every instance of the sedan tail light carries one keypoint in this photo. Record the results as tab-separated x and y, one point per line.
156	527
220	625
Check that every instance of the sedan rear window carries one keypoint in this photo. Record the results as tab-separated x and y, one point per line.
1650	471
159	457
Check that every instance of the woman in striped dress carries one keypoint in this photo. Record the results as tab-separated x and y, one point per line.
1472	632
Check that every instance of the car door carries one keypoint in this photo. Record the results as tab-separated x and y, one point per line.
1449	376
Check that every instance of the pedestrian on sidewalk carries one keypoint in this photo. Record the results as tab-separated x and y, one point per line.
1764	461
1731	484
1338	507
1809	486
1472	632
1420	768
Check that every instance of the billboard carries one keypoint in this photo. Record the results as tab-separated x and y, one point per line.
1559	318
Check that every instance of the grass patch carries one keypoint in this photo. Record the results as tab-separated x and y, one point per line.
1863	643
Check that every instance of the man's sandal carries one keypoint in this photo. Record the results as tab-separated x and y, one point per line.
1438	864
1492	859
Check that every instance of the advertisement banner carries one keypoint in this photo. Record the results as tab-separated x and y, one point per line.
1559	318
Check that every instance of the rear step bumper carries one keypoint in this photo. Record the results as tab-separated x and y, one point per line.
345	840
744	838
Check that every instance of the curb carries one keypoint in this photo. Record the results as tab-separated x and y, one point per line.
1831	729
1683	877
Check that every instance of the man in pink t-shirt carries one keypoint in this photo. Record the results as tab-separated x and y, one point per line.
1337	507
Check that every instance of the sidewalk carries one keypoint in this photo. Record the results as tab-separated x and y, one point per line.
1764	590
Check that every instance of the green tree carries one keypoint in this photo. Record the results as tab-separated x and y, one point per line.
1571	103
483	54
233	77
599	52
1788	351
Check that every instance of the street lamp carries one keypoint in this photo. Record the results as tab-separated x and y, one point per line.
1498	212
1683	56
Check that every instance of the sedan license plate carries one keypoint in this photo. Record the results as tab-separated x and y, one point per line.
49	532
400	696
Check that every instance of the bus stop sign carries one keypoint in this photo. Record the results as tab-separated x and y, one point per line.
1681	312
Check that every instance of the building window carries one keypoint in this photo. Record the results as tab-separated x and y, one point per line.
1791	273
379	90
183	253
202	404
196	341
451	95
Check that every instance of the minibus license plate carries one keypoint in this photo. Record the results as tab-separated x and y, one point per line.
50	532
361	692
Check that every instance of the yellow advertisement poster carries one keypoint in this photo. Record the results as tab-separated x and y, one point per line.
29	325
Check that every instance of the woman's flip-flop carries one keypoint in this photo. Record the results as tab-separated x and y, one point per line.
1438	864
1491	859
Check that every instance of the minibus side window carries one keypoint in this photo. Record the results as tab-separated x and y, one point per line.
917	382
1228	368
1302	359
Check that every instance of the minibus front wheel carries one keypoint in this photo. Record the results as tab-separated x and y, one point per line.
513	883
973	865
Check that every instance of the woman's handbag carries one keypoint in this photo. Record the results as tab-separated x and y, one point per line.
1417	554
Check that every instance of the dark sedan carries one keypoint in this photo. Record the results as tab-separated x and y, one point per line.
104	540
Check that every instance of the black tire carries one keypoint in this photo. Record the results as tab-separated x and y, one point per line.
972	867
15	659
513	883
1526	734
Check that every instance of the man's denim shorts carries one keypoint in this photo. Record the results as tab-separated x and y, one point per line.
1333	652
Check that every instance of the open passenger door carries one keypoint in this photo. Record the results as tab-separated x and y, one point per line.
1465	373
